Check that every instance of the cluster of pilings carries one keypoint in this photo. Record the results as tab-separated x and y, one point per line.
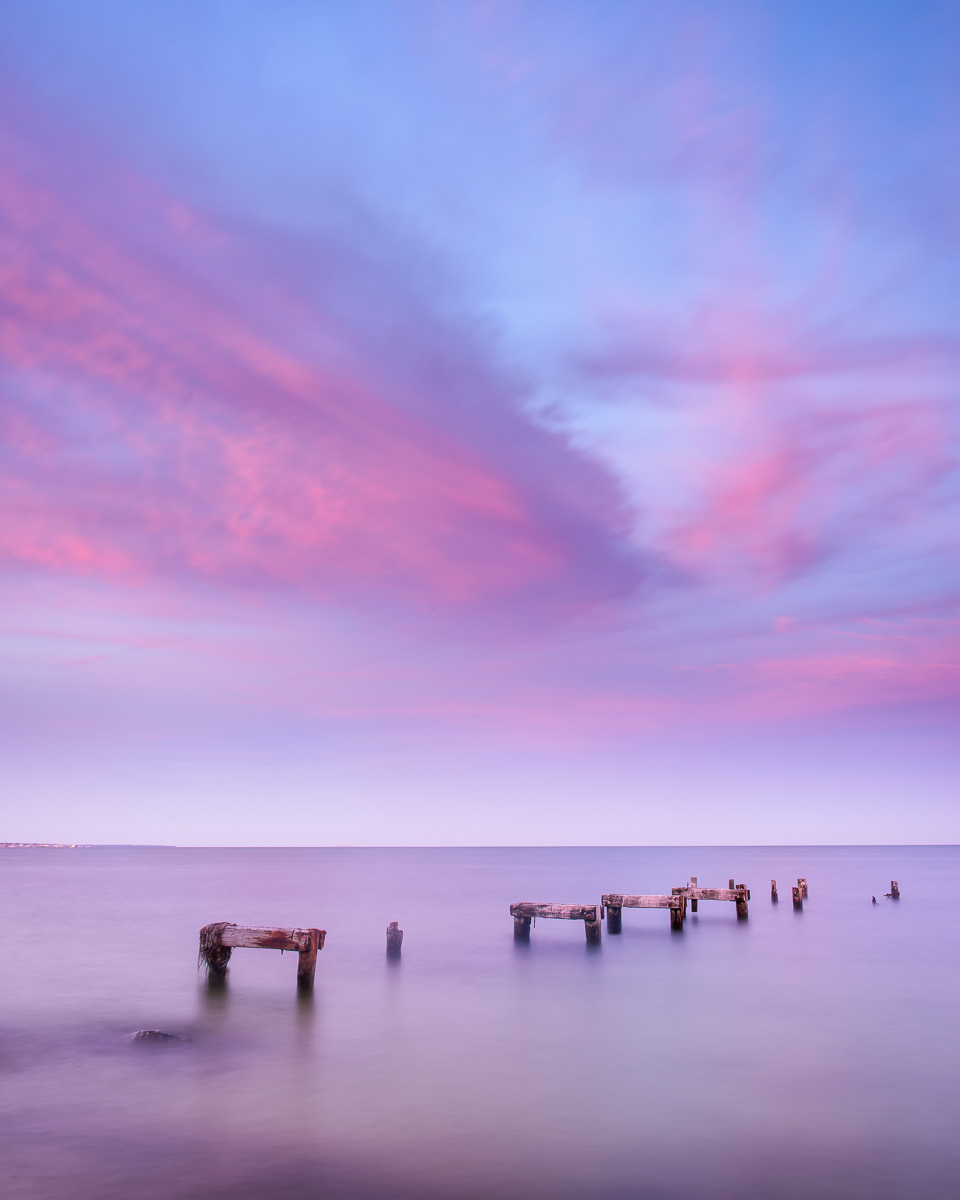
219	940
612	904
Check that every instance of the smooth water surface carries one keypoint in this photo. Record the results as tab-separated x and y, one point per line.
794	1054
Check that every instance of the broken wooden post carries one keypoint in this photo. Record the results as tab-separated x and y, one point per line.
693	901
614	915
731	885
894	890
774	898
219	939
802	885
394	940
741	902
797	898
525	910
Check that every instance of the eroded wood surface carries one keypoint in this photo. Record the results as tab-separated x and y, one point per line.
563	912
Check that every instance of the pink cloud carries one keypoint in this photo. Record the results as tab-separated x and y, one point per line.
164	428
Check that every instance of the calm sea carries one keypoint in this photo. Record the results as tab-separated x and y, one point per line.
794	1054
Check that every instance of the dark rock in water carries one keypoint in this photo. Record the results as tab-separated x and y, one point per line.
154	1035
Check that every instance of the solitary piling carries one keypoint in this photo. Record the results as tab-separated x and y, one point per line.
797	898
894	890
394	940
774	898
802	885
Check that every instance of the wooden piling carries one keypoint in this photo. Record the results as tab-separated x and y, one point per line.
774	898
521	928
592	930
797	898
307	961
676	918
394	940
802	885
894	890
614	918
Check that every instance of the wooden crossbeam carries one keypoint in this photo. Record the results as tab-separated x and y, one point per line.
617	900
524	911
219	940
699	893
563	912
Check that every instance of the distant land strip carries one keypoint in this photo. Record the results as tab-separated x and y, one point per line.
43	846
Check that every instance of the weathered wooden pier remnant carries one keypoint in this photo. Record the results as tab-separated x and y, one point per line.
802	885
615	902
737	892
894	893
394	940
797	898
218	940
774	898
525	911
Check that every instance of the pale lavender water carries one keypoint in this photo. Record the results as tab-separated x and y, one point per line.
791	1055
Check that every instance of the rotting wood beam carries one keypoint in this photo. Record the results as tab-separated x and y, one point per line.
220	939
524	911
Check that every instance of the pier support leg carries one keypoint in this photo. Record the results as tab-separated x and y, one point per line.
213	954
774	898
797	898
741	903
894	890
676	918
693	905
802	885
307	963
592	930
394	940
521	929
614	915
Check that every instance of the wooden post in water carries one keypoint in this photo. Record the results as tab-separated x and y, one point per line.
802	885
732	885
797	898
307	961
394	940
774	898
741	902
521	929
677	914
894	890
693	902
614	918
592	930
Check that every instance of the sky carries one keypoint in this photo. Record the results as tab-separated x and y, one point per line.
486	423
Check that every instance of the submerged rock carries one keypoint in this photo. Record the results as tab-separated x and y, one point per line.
153	1035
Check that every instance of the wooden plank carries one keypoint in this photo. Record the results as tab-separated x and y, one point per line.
615	900
710	893
562	912
267	937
